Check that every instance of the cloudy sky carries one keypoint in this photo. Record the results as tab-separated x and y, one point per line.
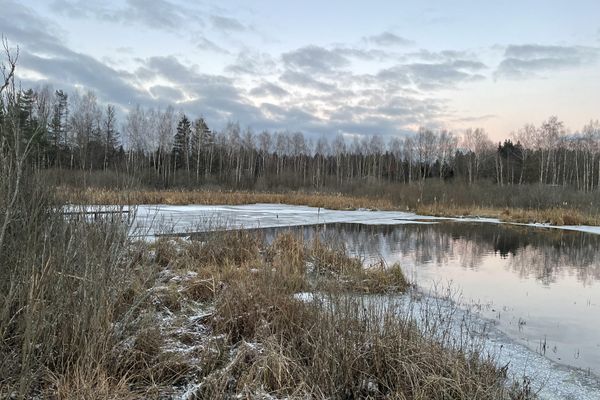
322	67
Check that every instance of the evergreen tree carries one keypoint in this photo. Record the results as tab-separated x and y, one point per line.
57	132
199	144
181	143
27	119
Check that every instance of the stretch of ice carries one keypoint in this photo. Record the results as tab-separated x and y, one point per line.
155	219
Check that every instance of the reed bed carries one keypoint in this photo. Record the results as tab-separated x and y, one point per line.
201	197
553	215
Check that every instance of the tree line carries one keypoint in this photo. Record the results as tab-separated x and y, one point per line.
168	148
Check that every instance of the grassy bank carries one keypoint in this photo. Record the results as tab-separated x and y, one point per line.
259	341
553	215
183	197
220	318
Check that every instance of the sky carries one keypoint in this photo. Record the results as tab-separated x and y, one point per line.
321	67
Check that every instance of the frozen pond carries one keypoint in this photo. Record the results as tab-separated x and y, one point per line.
157	219
180	219
539	288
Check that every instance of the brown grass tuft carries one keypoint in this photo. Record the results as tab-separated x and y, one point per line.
89	384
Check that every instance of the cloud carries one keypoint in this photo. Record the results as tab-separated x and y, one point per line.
529	60
124	50
306	81
227	24
434	76
473	119
210	90
208	45
252	63
269	89
314	59
167	93
441	56
163	14
291	116
388	39
365	54
311	88
42	52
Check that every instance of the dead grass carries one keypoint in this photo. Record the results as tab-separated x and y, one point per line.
254	338
277	346
348	349
184	197
89	384
554	215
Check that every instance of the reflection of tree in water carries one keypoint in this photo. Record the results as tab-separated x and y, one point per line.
530	252
567	254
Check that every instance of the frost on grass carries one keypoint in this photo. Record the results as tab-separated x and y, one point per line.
239	312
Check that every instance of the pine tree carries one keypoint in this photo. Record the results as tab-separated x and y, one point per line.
200	141
57	129
181	144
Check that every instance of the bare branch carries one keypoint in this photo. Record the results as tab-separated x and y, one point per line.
8	71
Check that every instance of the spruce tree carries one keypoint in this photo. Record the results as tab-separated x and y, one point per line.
181	143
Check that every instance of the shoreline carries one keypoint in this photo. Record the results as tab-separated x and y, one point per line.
548	216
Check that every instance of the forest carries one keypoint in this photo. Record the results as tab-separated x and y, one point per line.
164	149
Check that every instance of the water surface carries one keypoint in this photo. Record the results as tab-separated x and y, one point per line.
540	286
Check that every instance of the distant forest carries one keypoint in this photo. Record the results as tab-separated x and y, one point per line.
166	149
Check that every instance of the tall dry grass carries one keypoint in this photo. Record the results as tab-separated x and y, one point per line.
101	318
556	215
183	197
71	291
553	216
277	345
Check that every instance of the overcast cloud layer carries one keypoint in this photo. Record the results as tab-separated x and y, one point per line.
240	65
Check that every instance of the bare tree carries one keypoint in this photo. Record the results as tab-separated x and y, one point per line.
591	132
13	152
110	134
525	136
446	145
476	142
264	146
339	150
8	65
135	130
548	137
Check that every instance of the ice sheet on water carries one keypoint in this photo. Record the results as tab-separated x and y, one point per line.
152	219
